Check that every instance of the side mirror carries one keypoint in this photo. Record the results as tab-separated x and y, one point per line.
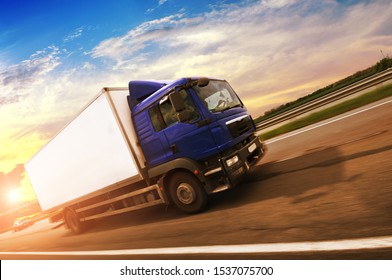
177	101
203	82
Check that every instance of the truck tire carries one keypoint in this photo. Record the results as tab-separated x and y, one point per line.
187	193
73	222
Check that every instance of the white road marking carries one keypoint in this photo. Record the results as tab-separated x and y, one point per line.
325	123
350	244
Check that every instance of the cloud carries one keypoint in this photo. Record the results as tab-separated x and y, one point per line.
37	98
264	48
276	4
42	110
88	66
160	3
17	79
137	39
74	35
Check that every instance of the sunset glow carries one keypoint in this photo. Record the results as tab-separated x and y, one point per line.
14	196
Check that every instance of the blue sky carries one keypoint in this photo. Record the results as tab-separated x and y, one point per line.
33	25
28	26
56	55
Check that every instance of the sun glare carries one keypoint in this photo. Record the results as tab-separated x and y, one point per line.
14	195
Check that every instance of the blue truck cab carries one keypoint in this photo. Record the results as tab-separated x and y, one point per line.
196	136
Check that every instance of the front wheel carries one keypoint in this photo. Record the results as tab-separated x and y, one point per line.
187	193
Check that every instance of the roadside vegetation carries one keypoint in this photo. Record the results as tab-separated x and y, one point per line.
369	97
380	66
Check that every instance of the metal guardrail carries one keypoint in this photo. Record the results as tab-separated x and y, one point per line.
331	97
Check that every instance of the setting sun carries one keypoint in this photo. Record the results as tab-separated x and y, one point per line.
14	196
23	193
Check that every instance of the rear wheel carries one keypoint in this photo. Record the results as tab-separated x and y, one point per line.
73	222
187	193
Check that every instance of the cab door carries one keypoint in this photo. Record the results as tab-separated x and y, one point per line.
186	139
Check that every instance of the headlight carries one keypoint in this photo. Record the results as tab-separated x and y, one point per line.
232	161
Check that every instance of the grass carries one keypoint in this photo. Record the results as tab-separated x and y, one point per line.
369	97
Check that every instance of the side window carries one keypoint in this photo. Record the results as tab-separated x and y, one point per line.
189	105
164	115
168	113
156	118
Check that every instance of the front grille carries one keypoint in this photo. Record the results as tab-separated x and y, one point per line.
240	127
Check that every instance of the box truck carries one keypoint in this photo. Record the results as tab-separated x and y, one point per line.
152	143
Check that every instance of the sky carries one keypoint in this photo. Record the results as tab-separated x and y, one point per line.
56	55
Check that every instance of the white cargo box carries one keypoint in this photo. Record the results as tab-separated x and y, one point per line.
95	152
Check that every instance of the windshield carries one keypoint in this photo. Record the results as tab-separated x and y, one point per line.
218	96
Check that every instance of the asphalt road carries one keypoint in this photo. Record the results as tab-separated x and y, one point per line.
329	183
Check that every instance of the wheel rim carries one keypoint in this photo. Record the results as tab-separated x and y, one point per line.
185	193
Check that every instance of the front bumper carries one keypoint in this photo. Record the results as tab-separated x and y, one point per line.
225	177
248	156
